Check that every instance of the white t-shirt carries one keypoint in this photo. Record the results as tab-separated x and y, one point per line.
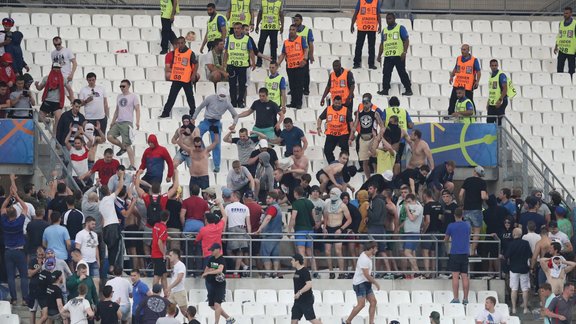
125	105
532	238
94	109
64	57
364	262
31	213
176	269
79	159
561	237
77	308
108	211
414	226
88	245
122	289
490	318
237	213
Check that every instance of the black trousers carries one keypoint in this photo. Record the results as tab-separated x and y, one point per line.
174	90
168	35
391	62
115	243
296	80
331	143
493	111
306	80
273	35
453	99
561	61
360	37
237	83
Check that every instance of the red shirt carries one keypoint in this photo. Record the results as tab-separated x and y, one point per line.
210	234
159	232
195	207
105	170
147	199
255	214
169	58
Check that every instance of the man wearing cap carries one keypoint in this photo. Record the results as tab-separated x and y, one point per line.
6	34
199	157
12	44
472	194
215	275
7	73
303	296
188	132
216	106
152	307
254	156
265	114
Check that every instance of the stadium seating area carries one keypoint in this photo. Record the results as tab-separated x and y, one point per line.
524	48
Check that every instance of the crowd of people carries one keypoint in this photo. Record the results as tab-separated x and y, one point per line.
64	243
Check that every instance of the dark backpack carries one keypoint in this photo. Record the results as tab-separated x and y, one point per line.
154	210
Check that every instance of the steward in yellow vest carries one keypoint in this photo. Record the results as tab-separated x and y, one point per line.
237	58
500	89
168	9
215	29
270	21
394	45
464	108
566	43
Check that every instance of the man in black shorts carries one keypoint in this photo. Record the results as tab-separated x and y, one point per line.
215	274
303	296
459	233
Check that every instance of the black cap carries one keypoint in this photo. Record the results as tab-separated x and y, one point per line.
215	246
298	258
531	201
157	288
56	274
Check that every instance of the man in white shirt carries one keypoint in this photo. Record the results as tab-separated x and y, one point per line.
122	290
87	242
531	236
95	102
362	283
489	315
127	104
556	235
412	224
176	291
111	231
67	60
239	224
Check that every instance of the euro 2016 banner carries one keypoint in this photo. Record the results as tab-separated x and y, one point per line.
16	141
465	144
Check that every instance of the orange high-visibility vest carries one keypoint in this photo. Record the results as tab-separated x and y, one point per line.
339	85
360	108
464	76
294	52
336	124
182	68
367	18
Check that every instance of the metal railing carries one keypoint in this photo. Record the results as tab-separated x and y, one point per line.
191	252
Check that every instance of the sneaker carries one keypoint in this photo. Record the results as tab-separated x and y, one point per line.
373	67
121	152
444	276
455	301
216	170
164	52
383	92
316	275
341	276
131	168
356	66
241	105
407	93
379	276
164	115
306	92
332	276
526	311
388	276
464	302
409	276
230	320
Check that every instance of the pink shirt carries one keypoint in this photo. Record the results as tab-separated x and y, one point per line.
126	104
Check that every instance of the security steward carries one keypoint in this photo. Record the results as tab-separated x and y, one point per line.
308	35
466	74
216	28
339	122
295	51
368	21
270	21
183	72
566	43
464	108
237	57
365	120
500	90
341	83
276	85
394	45
168	9
243	12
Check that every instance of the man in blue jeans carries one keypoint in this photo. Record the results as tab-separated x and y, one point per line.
14	241
362	283
216	105
473	193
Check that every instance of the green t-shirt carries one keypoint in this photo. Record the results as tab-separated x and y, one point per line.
565	227
304	217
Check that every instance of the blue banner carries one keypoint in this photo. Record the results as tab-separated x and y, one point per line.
465	144
16	141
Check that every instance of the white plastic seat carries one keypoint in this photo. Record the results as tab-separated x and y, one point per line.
28	31
511	39
431	38
441	51
110	33
5	307
541	27
105	59
420	77
562	105
320	309
429	90
474	309
531	92
454	310
342	23
541	79
318	75
343	309
20	18
275	309
341	49
482	294
549	40
69	33
143	21
85	59
551	92
420	319
35	45
147	60
465	319
422	25
561	79
472	39
399	296
244	295
501	26
89	33
182	21
569	92
462	26
503	308
135	73
451	38
501	52
262	319
481	51
332	296
130	33
10	319
530	39
541	52
40	19
81	20
121	21
511	65
430	64
115	73
265	296
138	47
101	20
61	19
332	36
521	78
421	50
48	32
542	105
421	296
491	39
442	25
481	26
196	296
521	26
251	308
530	65
97	46
409	310
150	34
431	307
322	23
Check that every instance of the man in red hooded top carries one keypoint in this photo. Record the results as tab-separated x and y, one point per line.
153	161
7	73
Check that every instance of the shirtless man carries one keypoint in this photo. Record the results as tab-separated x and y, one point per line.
389	140
421	153
188	132
336	220
199	158
556	275
332	174
301	163
542	249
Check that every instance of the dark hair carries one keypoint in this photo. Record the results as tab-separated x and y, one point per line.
370	245
108	151
135	270
417	133
211	5
491	299
306	177
425	167
155	187
28	187
77	102
391	14
506	192
237	23
294	25
171	310
568	8
243	130
75	250
217	41
556	246
315	188
81	266
197	140
55	217
493	60
61	188
568	284
82	289
451	163
56	38
272	195
107	291
410	196
126	81
191	310
263	90
427	193
393	101
288	120
70	200
194	190
531	226
273	62
458	212
118	271
164	215
546	286
337	98
89	219
299	190
123	192
177	252
3	84
90	75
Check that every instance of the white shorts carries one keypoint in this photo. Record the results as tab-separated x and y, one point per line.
522	279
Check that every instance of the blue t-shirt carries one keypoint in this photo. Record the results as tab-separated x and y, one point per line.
221	22
510	207
291	138
13	231
139	291
55	237
459	232
476	63
310	37
304	45
403	32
